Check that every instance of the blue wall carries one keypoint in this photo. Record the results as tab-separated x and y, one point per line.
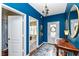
52	18
30	11
61	17
74	41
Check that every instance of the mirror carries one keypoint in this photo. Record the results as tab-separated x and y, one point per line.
73	19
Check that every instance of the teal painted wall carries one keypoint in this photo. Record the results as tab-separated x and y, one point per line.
52	18
61	18
29	11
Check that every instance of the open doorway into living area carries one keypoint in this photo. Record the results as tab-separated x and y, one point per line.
33	34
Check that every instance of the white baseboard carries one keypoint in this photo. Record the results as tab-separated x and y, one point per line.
48	43
45	42
40	45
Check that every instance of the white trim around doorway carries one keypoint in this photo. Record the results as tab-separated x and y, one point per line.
37	34
24	21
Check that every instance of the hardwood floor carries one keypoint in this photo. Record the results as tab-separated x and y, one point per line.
44	50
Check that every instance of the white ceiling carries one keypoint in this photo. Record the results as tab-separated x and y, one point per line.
54	8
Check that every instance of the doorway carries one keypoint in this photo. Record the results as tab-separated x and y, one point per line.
13	32
33	34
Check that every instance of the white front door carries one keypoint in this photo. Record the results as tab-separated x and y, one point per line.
53	32
15	35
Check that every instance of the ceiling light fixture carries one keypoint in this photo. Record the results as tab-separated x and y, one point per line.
46	10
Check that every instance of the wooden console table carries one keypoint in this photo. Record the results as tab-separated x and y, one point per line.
66	47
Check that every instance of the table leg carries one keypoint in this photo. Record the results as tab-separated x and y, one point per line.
57	52
75	53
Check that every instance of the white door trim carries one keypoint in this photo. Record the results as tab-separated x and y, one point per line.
0	30
24	20
37	34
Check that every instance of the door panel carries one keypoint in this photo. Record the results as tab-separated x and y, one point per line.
15	35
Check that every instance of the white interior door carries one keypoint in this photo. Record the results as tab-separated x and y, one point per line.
15	35
53	32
